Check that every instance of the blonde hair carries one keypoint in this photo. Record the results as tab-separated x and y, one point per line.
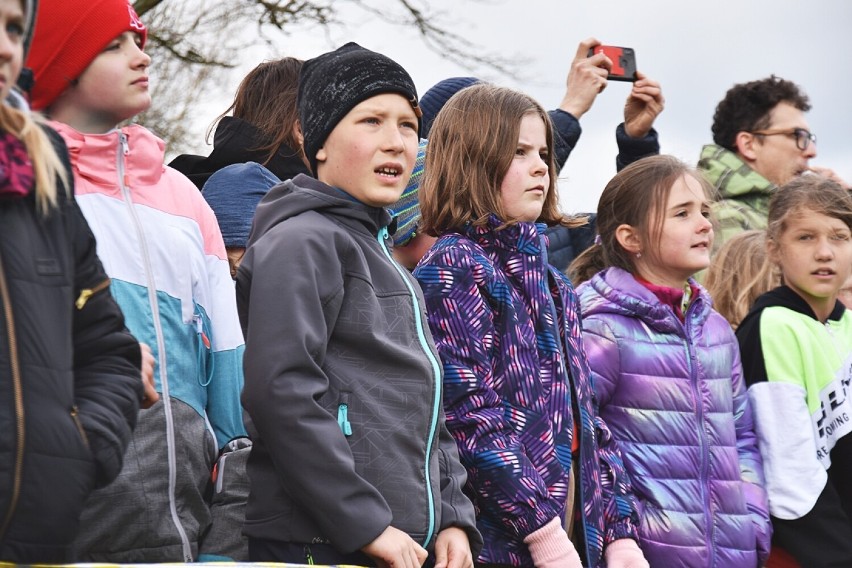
471	145
739	273
47	166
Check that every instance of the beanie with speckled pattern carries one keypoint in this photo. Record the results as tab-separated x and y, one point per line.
333	83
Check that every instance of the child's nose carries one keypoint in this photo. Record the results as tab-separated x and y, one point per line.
7	47
394	139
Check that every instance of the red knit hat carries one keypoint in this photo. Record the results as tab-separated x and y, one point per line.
69	34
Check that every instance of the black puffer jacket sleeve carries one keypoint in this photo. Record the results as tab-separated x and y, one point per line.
107	358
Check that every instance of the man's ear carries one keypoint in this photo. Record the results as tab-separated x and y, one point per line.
745	142
629	239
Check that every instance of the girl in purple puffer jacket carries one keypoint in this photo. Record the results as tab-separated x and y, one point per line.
667	372
517	393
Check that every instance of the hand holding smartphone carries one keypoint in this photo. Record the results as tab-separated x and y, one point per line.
623	62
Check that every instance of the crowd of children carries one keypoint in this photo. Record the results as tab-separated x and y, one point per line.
352	347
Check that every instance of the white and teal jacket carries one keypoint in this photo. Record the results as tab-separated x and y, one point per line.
161	246
798	370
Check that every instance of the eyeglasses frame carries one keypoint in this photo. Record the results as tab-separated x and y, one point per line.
798	133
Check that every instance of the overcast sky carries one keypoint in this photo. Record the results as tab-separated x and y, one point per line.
696	51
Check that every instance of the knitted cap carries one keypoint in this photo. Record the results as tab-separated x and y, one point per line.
331	84
435	98
69	34
233	193
407	209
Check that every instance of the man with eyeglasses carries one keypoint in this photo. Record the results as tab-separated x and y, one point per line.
762	141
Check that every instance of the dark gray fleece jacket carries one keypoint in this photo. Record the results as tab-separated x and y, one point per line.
342	380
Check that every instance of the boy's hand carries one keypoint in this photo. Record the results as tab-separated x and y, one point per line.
151	395
452	549
395	549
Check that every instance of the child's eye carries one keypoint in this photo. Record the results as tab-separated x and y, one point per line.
682	213
112	46
544	156
520	152
411	125
805	237
371	120
15	29
841	236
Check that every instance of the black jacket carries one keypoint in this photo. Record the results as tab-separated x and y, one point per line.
70	385
236	142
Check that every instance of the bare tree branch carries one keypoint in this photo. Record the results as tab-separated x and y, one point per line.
194	43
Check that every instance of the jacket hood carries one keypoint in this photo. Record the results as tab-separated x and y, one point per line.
732	177
235	142
616	291
303	193
785	297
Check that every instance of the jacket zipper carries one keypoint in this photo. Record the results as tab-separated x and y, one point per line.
75	415
87	293
124	150
702	437
19	403
576	419
436	370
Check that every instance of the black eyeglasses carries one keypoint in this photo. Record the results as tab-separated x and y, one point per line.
803	137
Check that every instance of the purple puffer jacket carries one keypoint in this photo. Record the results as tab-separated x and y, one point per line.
673	396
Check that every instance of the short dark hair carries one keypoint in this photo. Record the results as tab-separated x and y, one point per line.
746	107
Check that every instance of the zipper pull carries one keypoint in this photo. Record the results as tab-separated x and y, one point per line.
87	293
343	419
308	556
83	298
125	147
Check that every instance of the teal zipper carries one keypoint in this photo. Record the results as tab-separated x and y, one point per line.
436	369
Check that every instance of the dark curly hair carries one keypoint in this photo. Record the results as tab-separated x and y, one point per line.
746	107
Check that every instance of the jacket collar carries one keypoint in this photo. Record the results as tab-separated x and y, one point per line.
95	157
526	238
730	175
615	290
785	297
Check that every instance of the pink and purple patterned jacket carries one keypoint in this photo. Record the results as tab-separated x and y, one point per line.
507	328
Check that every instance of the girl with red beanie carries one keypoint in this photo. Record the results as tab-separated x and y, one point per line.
162	248
69	377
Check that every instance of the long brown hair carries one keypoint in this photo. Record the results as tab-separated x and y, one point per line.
471	145
636	196
266	98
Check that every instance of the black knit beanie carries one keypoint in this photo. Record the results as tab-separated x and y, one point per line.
331	84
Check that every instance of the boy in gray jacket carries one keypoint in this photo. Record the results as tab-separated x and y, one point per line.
351	462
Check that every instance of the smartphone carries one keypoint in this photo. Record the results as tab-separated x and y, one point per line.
623	61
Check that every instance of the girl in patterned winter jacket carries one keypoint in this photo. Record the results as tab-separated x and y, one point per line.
517	390
667	372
